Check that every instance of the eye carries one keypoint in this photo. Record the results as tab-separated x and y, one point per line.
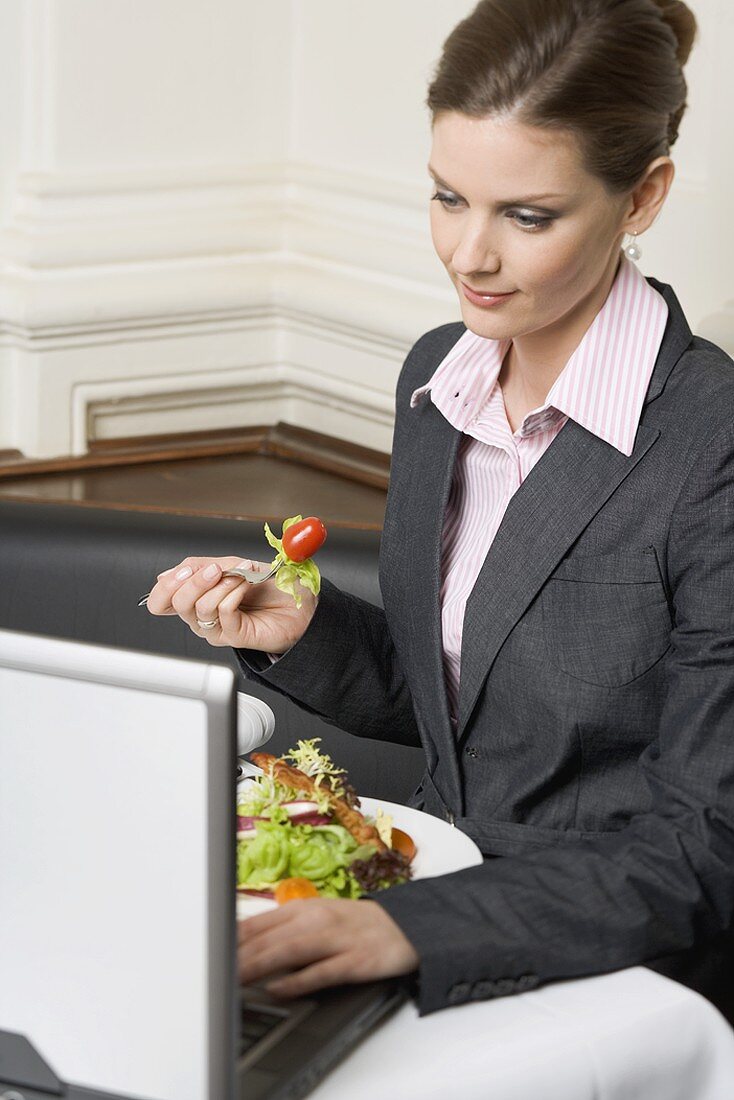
449	202
530	221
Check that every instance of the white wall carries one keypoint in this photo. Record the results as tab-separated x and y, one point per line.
214	212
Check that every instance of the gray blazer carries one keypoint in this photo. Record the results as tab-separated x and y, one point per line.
594	758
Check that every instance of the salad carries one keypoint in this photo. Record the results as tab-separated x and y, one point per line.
300	539
300	832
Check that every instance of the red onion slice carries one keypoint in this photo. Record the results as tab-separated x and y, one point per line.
311	819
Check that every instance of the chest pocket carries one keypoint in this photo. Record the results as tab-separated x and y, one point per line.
605	618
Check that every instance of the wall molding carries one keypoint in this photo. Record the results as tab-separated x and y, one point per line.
176	301
277	268
244	397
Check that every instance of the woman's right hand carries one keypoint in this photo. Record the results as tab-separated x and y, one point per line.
249	616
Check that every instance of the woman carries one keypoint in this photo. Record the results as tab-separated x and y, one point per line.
557	561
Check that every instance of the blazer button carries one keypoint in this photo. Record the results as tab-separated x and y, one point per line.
506	986
472	752
484	989
459	993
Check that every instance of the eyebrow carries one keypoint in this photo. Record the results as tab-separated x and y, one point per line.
529	200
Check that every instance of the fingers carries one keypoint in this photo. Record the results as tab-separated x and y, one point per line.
170	596
283	944
168	582
336	970
319	942
199	597
281	956
248	929
214	607
295	935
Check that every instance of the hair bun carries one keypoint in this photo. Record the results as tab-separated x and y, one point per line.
682	22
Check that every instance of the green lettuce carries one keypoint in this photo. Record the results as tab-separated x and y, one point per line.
320	853
305	572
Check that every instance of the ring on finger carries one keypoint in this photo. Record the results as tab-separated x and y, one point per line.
207	624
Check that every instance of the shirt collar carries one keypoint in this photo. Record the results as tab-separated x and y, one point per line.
602	386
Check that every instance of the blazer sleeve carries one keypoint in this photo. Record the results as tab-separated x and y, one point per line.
344	669
663	884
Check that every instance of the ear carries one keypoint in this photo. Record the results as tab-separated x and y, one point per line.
646	199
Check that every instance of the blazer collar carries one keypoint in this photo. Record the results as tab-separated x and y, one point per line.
602	386
676	338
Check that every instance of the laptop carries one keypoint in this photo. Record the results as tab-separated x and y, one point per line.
117	891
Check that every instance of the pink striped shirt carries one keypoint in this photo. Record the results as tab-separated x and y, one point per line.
602	387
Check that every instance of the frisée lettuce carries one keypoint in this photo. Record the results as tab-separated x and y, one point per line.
275	843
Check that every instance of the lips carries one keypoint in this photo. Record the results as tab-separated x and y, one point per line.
488	293
485	299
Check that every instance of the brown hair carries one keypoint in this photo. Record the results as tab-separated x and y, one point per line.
610	71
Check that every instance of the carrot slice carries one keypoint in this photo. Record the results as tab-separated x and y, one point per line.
288	889
404	844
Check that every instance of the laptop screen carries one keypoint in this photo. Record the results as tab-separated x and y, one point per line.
116	865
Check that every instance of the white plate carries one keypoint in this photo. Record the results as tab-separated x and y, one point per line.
441	848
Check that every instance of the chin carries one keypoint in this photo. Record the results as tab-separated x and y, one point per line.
488	327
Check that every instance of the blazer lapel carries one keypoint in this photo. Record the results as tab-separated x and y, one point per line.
415	571
564	491
561	495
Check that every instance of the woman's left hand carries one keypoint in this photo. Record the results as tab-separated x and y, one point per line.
321	942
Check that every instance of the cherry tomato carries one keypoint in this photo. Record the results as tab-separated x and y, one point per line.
303	539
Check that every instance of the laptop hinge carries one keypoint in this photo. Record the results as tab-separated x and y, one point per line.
25	1075
21	1065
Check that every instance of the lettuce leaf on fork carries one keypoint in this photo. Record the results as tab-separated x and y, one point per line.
307	572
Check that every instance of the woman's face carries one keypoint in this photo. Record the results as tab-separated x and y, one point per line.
515	211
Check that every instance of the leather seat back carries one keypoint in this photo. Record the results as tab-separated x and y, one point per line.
78	571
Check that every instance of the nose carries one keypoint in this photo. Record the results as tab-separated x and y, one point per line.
473	254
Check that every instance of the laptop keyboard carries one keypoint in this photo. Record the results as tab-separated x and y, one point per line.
262	1024
255	1024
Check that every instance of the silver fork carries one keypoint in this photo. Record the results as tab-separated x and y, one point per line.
250	575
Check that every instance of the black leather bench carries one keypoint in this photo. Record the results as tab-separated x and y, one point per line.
76	571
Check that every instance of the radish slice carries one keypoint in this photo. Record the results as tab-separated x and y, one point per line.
248	822
306	812
302	806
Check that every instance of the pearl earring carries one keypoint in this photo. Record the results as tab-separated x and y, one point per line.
633	251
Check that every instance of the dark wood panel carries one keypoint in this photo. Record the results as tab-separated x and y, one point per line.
248	486
314	449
